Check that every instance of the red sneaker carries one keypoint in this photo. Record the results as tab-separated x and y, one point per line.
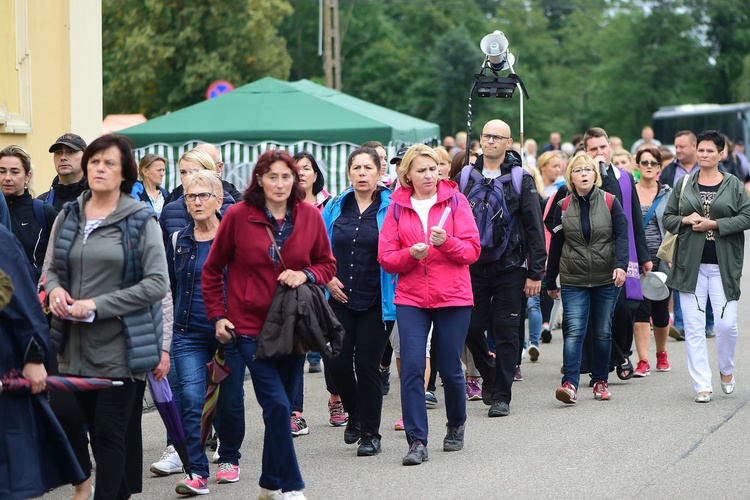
567	394
662	362
601	391
643	369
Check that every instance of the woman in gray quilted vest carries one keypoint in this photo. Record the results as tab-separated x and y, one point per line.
105	283
589	252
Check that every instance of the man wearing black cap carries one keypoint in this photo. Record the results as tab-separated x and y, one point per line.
69	181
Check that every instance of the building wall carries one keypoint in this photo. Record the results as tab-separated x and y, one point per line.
50	76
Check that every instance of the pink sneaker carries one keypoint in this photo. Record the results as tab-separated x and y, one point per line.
643	369
601	391
196	486
567	394
399	425
227	473
336	411
662	362
473	391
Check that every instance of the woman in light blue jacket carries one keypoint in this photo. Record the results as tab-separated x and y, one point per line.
361	296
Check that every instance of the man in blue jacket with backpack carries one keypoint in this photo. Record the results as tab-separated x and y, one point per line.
506	207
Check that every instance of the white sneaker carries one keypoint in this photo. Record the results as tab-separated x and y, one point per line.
266	494
533	353
294	495
523	354
215	457
169	463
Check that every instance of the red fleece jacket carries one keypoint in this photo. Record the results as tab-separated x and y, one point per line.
242	247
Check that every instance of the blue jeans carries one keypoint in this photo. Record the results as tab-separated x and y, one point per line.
534	312
581	304
191	352
313	357
275	384
450	325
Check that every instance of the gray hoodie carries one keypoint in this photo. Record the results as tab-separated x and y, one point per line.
96	272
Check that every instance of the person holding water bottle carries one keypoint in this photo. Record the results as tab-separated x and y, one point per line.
429	238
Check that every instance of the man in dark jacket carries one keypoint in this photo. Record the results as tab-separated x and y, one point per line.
69	181
596	142
501	287
686	158
215	154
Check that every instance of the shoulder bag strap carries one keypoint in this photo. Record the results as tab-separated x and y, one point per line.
682	191
275	246
651	210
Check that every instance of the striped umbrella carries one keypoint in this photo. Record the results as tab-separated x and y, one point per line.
14	382
217	372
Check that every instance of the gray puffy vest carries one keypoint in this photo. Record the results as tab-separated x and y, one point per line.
142	328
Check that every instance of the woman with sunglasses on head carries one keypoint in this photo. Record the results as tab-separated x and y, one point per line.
653	197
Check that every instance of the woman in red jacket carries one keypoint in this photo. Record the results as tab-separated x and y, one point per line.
243	248
434	289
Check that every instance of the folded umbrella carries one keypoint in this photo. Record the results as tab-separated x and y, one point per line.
14	382
162	396
217	372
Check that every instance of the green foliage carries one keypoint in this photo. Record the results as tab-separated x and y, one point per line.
162	55
609	63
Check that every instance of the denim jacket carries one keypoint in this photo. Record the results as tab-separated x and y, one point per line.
387	281
181	259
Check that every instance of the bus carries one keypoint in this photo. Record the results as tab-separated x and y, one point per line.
730	119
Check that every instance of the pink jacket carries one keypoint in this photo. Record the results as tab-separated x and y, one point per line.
442	278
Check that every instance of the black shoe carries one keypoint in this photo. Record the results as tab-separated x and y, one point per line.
417	454
499	409
385	377
677	333
486	393
546	336
369	445
454	438
351	433
212	442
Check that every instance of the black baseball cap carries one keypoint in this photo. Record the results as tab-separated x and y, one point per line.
73	141
399	155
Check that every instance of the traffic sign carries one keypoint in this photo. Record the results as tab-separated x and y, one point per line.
218	88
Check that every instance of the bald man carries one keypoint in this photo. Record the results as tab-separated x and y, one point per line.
502	286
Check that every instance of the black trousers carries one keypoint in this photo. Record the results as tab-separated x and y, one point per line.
356	371
114	420
501	298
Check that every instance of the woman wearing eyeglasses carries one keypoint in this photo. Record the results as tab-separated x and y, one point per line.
653	197
194	343
589	251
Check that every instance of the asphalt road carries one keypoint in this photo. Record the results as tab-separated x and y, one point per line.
650	441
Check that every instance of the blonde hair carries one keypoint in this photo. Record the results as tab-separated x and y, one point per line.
581	160
537	177
547	157
200	157
206	178
622	152
443	154
412	153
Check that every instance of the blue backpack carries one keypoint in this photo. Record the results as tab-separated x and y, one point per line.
487	202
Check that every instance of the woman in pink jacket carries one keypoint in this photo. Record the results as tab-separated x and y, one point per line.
434	289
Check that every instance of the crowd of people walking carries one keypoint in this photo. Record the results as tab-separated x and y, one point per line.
458	250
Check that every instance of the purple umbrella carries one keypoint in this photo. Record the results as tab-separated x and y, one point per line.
162	396
14	382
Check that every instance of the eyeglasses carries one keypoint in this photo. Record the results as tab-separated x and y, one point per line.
493	137
190	197
646	163
584	170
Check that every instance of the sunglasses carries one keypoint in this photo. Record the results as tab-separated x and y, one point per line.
646	163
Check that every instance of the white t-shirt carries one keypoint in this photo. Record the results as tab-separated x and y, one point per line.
423	209
491	174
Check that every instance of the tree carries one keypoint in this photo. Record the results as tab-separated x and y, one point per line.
162	55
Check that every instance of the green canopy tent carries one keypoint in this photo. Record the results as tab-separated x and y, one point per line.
269	113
